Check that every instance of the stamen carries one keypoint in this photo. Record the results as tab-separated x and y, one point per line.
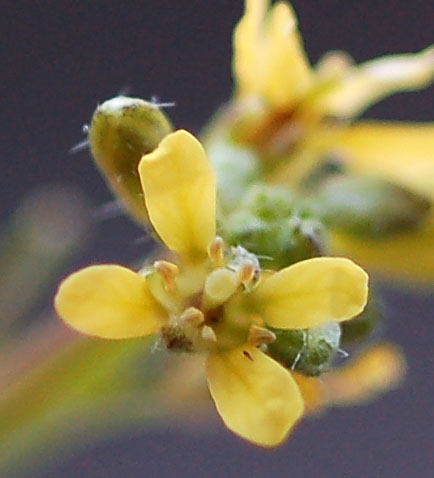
216	252
168	272
246	273
260	336
192	316
220	285
247	266
208	334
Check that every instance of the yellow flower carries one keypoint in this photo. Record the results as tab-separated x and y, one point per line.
269	61
212	300
293	111
270	64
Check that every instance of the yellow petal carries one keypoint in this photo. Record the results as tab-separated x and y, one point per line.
108	301
180	193
405	256
287	73
256	397
247	47
269	59
374	80
312	292
401	153
375	371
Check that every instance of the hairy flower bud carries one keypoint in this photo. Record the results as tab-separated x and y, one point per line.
269	225
370	206
310	352
122	130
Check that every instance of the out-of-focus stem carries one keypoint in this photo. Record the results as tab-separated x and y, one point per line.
94	387
39	411
46	229
40	344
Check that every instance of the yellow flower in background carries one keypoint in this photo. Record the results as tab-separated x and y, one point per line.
404	154
296	115
372	372
269	63
212	300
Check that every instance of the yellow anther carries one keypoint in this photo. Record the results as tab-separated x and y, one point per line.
260	336
192	316
168	272
208	334
248	274
216	252
220	285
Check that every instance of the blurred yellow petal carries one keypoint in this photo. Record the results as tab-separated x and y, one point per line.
405	256
401	153
375	371
180	193
108	301
287	73
256	397
374	80
313	392
312	292
247	38
269	59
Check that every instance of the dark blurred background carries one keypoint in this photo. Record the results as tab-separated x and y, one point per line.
60	58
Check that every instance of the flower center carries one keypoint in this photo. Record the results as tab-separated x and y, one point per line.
209	313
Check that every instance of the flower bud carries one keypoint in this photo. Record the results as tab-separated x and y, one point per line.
310	352
269	225
370	206
122	130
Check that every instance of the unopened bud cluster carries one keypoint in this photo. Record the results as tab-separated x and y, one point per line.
271	223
